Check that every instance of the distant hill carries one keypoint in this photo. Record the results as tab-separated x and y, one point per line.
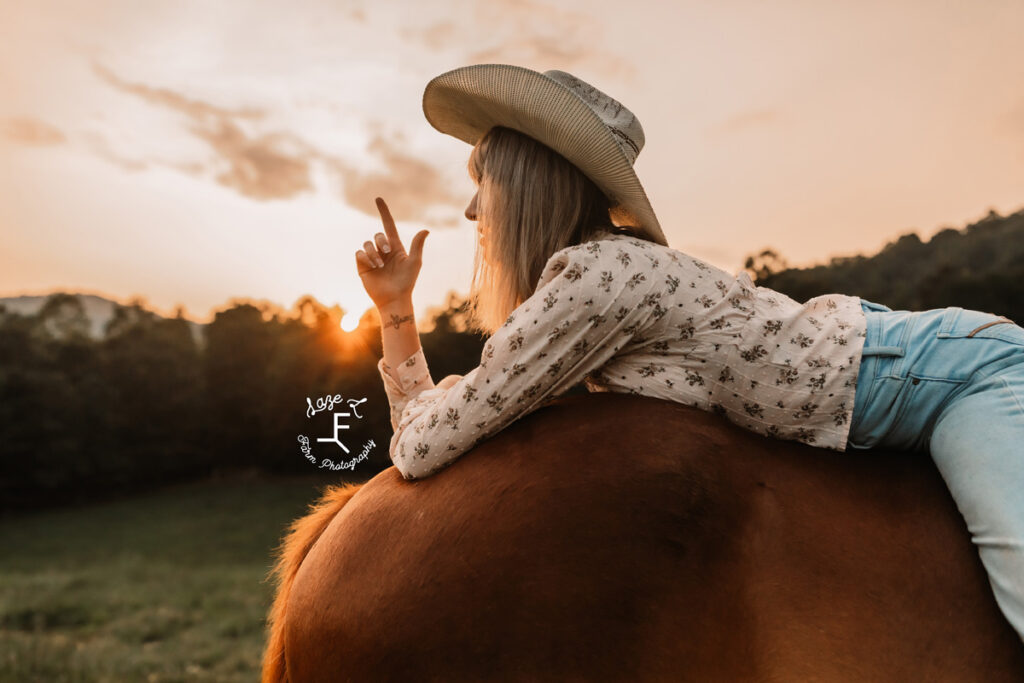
980	266
98	310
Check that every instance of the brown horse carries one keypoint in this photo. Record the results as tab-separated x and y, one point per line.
622	538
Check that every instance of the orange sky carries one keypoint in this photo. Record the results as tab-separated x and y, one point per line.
191	152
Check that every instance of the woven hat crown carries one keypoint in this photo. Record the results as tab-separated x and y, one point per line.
622	123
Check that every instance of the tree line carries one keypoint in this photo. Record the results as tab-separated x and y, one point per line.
980	267
149	403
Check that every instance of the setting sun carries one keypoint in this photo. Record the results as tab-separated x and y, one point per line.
350	321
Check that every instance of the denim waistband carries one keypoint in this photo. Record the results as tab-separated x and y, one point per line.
915	362
873	339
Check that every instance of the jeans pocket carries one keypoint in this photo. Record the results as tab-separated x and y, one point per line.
873	419
920	405
901	412
963	323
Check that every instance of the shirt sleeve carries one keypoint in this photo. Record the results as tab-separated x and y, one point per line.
402	383
585	308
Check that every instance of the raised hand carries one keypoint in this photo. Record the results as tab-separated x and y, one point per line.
387	271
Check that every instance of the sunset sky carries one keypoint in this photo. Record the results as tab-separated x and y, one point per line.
191	152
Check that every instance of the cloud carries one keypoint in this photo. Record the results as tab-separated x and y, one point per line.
261	167
437	37
410	185
267	166
31	132
278	165
533	49
1012	120
745	120
168	98
525	32
100	146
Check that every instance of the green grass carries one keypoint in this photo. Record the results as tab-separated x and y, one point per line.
169	586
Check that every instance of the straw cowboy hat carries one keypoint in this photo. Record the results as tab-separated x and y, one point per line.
596	133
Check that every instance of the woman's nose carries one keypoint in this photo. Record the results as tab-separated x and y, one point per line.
471	209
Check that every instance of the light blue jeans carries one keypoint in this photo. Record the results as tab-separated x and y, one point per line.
951	381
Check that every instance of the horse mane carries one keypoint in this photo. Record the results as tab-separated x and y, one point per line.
299	538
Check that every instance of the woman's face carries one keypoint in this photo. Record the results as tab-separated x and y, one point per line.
472	213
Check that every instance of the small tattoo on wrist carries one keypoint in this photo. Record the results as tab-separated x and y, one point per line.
396	321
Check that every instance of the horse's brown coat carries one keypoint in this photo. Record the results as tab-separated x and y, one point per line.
618	537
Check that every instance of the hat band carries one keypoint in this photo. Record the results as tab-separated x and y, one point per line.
626	144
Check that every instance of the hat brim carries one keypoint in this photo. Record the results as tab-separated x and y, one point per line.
467	102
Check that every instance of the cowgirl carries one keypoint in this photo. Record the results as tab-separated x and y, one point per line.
574	281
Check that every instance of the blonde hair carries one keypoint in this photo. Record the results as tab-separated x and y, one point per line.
531	202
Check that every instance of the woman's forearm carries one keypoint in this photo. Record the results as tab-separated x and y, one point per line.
398	331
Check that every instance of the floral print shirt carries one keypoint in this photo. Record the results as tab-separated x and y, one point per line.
623	314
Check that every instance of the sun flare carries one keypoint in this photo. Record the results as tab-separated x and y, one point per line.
350	321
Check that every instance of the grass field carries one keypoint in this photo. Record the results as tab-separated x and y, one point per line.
169	586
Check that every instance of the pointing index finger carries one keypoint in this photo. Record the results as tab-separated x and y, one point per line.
389	226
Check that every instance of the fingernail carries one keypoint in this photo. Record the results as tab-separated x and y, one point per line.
386	248
380	262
